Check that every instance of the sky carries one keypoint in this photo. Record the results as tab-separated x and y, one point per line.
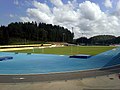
86	17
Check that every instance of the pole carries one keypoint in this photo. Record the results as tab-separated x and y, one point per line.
71	45
63	37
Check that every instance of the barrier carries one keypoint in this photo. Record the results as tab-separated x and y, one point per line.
5	58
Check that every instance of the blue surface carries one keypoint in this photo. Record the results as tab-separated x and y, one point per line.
48	63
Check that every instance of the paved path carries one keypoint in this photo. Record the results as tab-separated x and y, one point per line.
26	48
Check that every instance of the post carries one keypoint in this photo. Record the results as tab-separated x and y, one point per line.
71	44
63	37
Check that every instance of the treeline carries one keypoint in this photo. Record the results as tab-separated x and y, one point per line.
42	32
34	32
98	40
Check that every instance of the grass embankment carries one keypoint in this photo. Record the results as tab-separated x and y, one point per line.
70	50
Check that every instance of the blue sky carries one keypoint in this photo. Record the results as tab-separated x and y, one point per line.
81	14
10	7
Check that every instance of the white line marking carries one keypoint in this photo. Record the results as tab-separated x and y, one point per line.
19	78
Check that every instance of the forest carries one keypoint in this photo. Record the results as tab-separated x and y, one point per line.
98	40
24	32
32	32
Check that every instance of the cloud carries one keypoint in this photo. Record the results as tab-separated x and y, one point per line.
42	7
118	5
65	14
16	2
57	3
39	16
108	4
90	10
27	19
85	17
11	15
118	9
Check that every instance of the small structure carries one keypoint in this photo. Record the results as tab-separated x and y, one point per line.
5	58
82	56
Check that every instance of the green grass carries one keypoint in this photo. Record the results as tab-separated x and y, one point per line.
70	50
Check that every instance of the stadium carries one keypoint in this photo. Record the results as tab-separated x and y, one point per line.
48	67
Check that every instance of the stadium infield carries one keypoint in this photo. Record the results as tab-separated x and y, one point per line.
66	50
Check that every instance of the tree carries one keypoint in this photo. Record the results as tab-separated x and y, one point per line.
102	39
82	41
4	38
35	32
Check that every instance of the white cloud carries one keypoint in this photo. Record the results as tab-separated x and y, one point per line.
108	4
118	5
90	10
16	2
27	19
42	7
86	17
118	9
57	3
65	13
39	16
11	15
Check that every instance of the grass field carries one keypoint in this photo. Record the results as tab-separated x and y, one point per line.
70	50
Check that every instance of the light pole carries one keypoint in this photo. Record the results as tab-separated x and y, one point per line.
72	41
72	29
72	34
82	38
63	37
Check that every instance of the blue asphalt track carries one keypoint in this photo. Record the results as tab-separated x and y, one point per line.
48	63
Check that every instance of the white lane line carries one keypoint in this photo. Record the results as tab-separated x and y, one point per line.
19	78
